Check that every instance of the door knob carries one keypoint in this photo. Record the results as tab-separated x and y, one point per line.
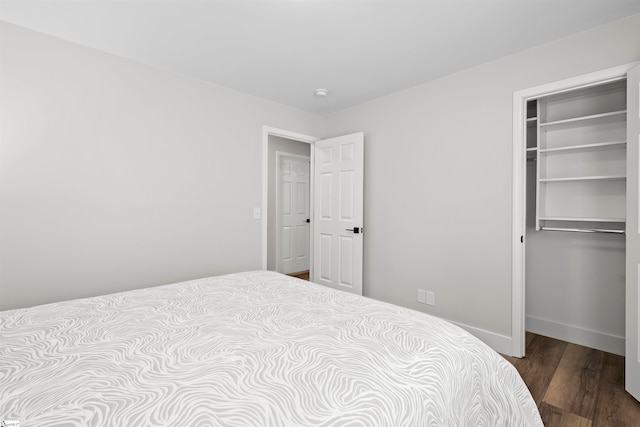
356	230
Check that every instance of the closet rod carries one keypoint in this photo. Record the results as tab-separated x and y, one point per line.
584	230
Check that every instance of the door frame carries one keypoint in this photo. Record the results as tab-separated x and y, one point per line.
519	189
294	136
280	154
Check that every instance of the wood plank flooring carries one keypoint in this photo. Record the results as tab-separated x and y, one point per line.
304	275
575	385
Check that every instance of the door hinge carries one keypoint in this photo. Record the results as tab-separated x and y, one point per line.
521	239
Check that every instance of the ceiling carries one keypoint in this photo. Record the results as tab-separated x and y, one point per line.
283	50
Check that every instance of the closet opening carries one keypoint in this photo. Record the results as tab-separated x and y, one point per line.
575	219
570	158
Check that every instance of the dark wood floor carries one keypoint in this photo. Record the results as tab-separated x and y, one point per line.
301	275
575	385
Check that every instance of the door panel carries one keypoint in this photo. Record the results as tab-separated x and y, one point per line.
346	261
632	350
326	243
326	196
285	207
346	196
286	243
338	240
302	197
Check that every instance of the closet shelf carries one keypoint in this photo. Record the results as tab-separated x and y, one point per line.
585	178
612	145
584	230
611	117
581	159
582	219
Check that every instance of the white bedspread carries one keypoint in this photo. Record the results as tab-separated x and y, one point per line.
249	349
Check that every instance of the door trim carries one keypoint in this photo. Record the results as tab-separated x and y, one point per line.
280	154
519	189
294	136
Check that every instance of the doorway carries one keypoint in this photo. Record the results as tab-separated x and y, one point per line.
541	215
281	144
336	202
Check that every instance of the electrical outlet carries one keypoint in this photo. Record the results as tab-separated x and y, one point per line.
431	298
257	213
421	296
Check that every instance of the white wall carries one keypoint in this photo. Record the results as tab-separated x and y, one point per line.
115	176
284	145
438	178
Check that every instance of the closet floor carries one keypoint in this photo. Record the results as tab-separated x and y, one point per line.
575	385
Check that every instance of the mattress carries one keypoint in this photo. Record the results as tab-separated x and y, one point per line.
249	349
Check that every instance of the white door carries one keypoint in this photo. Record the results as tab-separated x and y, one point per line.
338	212
632	351
292	245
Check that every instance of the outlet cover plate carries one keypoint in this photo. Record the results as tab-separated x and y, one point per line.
431	298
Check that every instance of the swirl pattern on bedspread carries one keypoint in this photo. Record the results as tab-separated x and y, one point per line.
249	349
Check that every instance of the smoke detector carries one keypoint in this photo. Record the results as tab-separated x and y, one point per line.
321	92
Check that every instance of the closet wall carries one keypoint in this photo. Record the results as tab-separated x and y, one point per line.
575	251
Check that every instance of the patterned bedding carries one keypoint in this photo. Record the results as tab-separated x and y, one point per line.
249	349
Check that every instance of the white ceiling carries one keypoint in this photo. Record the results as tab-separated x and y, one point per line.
283	50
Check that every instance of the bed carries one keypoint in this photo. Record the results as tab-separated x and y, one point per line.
249	349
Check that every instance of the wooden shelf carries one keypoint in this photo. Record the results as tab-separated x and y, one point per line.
614	116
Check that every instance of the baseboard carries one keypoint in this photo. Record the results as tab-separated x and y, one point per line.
585	337
573	334
500	343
